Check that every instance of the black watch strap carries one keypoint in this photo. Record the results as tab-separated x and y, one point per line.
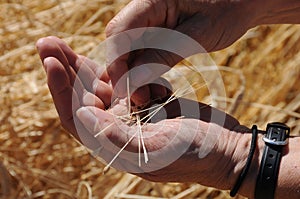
275	139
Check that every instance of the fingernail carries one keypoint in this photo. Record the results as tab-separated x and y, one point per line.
84	113
86	99
88	119
95	85
39	43
45	62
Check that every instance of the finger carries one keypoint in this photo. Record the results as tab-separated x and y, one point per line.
99	71
142	14
61	90
148	83
75	61
165	49
146	68
150	65
66	100
141	96
72	59
160	89
83	136
111	145
86	76
117	71
96	120
108	130
90	99
68	52
71	62
87	73
136	14
154	92
59	77
103	91
48	48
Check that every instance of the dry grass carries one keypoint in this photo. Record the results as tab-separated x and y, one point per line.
39	160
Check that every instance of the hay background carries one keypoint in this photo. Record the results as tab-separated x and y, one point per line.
39	160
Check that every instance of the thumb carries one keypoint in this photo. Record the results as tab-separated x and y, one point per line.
150	65
163	47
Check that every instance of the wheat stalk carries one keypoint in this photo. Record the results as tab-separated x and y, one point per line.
139	133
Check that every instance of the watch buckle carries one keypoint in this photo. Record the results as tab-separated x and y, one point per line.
275	142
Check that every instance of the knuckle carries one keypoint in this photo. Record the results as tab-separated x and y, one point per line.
110	28
110	70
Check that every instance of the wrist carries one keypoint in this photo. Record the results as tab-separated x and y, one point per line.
248	187
229	158
235	146
238	162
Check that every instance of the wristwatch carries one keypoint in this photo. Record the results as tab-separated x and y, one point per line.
275	139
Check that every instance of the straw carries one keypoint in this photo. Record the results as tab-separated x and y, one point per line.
38	159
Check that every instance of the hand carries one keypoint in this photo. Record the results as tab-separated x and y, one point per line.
61	65
213	24
173	144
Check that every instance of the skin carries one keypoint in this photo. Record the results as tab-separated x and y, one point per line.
219	169
215	25
60	63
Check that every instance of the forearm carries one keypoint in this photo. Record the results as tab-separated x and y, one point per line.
276	12
289	172
288	185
